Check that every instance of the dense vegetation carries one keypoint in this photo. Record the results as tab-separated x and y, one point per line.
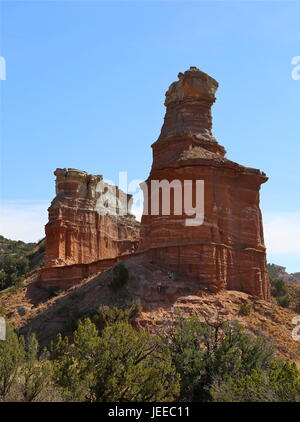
16	247
16	259
185	361
106	359
12	270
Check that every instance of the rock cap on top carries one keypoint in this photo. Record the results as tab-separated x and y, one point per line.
193	84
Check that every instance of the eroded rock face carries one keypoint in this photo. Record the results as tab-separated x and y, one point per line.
227	250
89	220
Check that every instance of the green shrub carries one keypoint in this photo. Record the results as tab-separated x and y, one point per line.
245	309
280	382
203	353
221	361
250	388
188	361
133	366
11	358
108	315
278	288
120	277
285	380
74	364
120	365
36	371
284	301
12	270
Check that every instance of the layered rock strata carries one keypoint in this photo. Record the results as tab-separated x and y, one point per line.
222	244
89	220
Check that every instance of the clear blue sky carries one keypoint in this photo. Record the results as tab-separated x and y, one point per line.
86	81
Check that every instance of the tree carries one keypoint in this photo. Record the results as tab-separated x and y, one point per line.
11	357
280	382
74	364
254	387
36	371
284	301
184	340
121	364
108	315
133	366
12	269
120	277
285	380
278	288
205	352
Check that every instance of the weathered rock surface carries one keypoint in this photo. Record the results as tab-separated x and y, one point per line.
89	220
227	250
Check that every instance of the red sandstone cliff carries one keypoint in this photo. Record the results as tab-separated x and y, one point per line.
227	250
89	220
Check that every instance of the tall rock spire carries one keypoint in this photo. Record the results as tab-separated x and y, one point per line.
227	249
188	103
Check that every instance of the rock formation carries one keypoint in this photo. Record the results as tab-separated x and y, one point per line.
222	245
89	220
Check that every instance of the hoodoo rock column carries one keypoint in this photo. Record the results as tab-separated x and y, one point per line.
223	247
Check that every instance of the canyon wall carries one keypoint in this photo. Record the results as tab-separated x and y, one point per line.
222	244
